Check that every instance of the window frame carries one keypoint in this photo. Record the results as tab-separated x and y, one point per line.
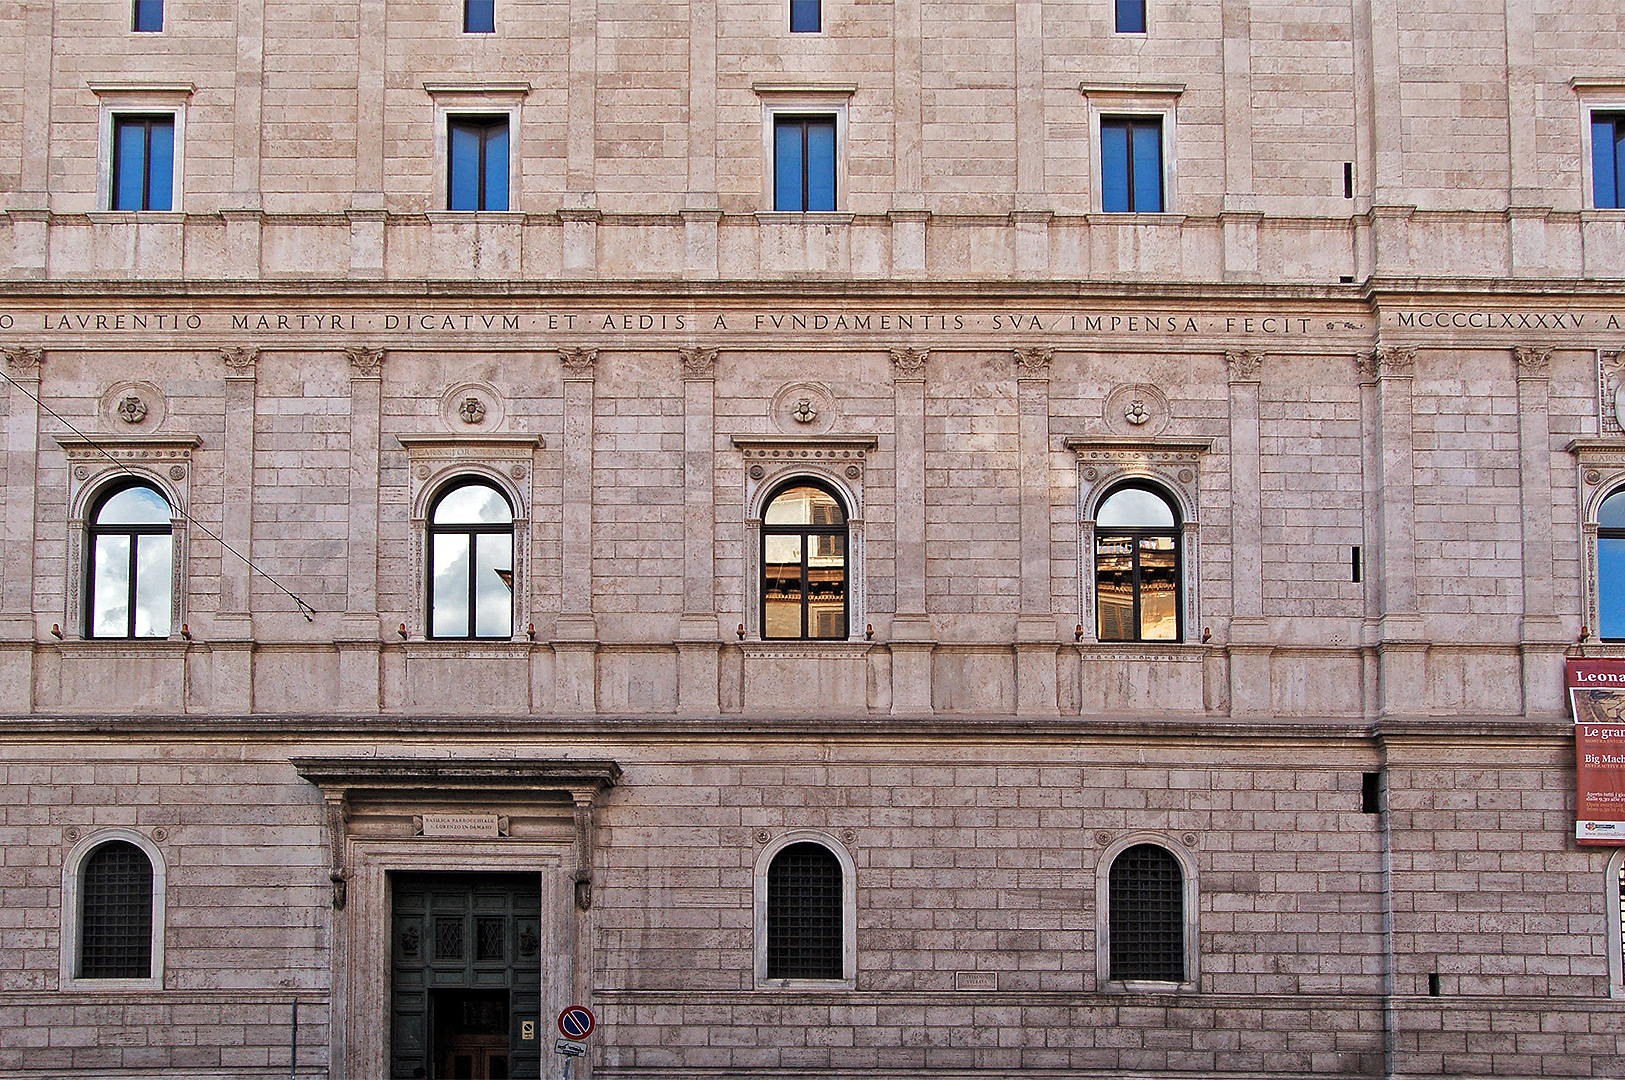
1190	914
1614	112
134	100
471	530
73	874
1134	101
807	533
804	100
849	911
487	99
1144	12
487	123
1136	533
468	12
136	7
93	532
817	12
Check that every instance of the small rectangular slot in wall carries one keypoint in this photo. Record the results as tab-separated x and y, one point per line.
1354	563
1371	793
1433	984
1348	179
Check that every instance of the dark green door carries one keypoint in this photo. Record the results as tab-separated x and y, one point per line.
466	976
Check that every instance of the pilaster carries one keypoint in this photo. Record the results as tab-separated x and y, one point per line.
697	649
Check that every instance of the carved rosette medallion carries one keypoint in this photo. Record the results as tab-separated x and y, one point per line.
698	363
471	410
131	409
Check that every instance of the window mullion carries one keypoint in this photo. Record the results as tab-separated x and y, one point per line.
473	558
130	584
806	546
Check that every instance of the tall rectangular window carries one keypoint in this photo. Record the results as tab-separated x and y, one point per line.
477	163
143	163
1608	161
147	16
1131	165
479	16
806	16
1130	16
804	163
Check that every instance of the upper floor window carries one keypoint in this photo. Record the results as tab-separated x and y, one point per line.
1146	923
479	16
1611	567
1137	570
143	162
1130	16
470	533
131	564
1608	160
806	16
804	593
804	163
115	913
477	162
147	16
1131	165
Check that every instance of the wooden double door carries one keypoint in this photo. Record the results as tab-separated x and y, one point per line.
466	976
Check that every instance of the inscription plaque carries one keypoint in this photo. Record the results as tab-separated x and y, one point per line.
462	826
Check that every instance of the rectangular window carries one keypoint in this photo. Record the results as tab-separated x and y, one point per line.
477	171
806	16
147	16
1131	16
1131	165
804	163
143	163
1608	161
479	16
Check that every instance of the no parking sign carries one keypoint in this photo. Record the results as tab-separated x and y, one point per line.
577	1022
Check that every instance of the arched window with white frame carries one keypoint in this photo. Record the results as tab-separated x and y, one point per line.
471	561
113	900
1146	915
131	562
1137	573
804	563
806	910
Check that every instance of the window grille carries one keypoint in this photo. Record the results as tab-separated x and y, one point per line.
1147	916
804	914
448	938
491	939
115	914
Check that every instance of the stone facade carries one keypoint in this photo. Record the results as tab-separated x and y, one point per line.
1382	413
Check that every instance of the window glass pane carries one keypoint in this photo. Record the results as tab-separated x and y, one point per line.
1159	589
787	166
1114	588
1611	515
149	16
1114	167
153	566
781	586
1148	168
1135	508
1131	16
463	149
496	167
804	506
479	17
1605	157
804	16
820	164
134	506
493	585
1611	587
110	587
129	165
473	504
448	567
826	587
161	165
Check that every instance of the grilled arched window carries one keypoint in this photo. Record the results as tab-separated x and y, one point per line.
471	562
1146	894
804	903
804	571
131	565
115	913
1611	567
1137	591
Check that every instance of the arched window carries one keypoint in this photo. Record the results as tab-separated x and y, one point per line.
1611	567
1146	897
131	564
804	904
471	563
115	913
804	576
1137	593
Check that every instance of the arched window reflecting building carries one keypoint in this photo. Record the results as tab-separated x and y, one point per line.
804	564
1137	566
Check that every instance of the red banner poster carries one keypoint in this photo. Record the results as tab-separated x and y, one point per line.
1597	695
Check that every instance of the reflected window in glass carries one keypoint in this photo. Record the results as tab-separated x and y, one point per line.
1611	567
131	565
1137	567
471	563
804	573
